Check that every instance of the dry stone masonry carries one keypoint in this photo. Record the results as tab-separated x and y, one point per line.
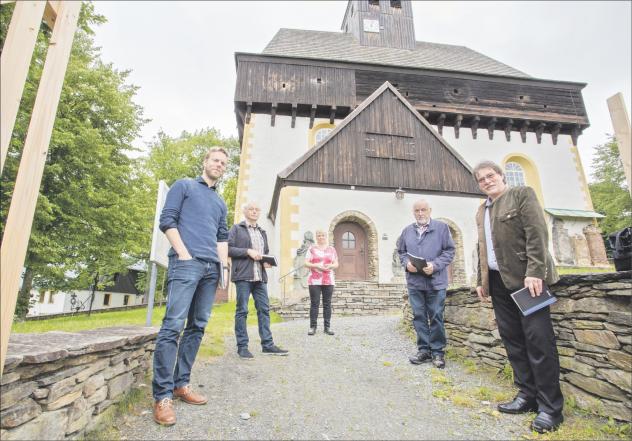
593	324
56	385
352	298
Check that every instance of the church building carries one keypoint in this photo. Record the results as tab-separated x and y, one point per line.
344	131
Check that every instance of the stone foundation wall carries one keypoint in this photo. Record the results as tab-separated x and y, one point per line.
57	385
593	324
352	298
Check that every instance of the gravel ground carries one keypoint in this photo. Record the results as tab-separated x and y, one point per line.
357	384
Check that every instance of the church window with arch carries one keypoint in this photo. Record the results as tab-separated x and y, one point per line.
322	134
514	174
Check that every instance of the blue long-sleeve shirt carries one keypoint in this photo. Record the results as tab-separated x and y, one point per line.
199	214
435	245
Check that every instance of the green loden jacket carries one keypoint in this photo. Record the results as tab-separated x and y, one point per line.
520	237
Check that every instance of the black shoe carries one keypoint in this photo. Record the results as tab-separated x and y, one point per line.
518	405
438	361
545	422
311	331
420	357
329	331
244	353
274	350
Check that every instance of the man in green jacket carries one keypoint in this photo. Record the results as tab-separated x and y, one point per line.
513	254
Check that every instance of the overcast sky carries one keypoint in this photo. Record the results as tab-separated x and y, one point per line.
181	54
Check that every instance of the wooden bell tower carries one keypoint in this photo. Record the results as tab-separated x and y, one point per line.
381	23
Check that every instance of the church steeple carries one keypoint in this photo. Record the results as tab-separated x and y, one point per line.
381	23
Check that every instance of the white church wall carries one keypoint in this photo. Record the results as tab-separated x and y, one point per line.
389	215
560	179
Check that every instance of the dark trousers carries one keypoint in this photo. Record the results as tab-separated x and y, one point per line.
259	292
428	306
530	345
314	296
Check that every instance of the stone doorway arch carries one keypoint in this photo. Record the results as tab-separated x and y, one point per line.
371	235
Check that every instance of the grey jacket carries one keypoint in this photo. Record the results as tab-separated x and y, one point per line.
238	244
520	238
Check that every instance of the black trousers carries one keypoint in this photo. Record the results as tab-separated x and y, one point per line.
531	348
314	296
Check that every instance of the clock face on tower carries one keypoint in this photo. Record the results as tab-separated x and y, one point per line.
371	25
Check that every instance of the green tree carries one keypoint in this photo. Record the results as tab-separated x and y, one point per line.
609	191
92	215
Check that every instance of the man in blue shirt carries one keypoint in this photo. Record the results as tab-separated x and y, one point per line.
431	240
194	221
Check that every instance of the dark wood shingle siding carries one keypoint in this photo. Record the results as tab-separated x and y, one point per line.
292	83
343	159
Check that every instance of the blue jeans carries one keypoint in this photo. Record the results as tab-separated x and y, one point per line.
191	286
427	306
259	292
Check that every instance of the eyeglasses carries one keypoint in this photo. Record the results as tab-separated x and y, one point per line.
487	177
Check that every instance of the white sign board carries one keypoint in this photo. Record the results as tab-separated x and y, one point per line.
159	243
371	25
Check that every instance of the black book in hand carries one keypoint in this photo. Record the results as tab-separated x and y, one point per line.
269	259
529	305
418	262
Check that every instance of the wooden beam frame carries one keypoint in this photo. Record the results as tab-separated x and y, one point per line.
491	126
538	132
555	132
273	114
294	110
248	112
508	125
440	122
457	125
312	115
22	209
523	131
14	64
474	126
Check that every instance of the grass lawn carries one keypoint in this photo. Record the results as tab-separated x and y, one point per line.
220	324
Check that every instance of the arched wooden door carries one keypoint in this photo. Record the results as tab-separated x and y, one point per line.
351	246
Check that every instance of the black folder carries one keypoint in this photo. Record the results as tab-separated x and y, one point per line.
419	263
269	259
529	305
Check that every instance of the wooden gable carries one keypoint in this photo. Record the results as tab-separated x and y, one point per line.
382	145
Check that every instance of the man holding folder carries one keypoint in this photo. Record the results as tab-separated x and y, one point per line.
248	248
513	254
425	249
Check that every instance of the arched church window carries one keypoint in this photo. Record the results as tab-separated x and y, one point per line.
515	174
348	240
322	134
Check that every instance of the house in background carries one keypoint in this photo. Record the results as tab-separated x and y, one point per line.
343	131
122	293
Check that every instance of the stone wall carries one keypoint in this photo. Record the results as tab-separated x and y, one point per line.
352	298
592	322
57	385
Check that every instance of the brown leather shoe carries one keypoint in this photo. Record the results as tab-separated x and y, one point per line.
164	413
186	394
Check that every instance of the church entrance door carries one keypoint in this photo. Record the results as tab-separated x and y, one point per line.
351	246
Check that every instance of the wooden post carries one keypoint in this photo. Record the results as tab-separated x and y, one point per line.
14	64
621	123
20	218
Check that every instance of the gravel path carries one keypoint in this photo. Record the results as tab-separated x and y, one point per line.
357	384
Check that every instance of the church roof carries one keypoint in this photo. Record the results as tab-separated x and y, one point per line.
340	46
397	148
